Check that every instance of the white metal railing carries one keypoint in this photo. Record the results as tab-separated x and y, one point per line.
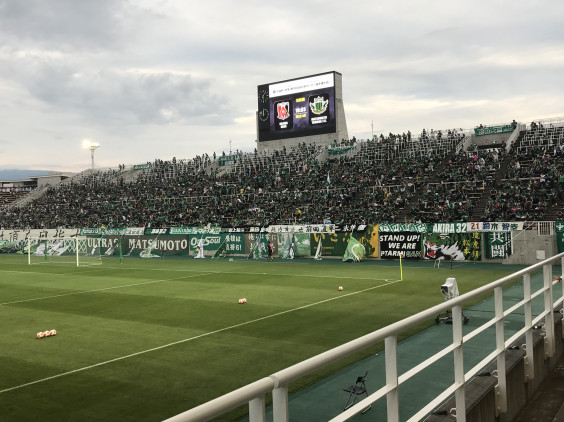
554	121
514	136
26	199
277	383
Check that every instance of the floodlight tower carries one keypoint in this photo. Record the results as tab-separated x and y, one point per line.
92	147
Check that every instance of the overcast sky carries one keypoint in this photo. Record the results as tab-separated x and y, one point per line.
161	78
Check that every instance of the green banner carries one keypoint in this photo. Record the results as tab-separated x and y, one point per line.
91	232
406	227
157	232
6	246
559	226
333	244
154	246
141	166
116	232
227	160
101	231
369	239
449	228
354	252
490	130
302	243
339	150
498	245
455	246
250	239
195	230
235	242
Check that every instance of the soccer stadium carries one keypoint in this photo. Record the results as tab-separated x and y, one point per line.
413	276
281	211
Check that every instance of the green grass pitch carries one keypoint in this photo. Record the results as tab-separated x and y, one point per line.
147	339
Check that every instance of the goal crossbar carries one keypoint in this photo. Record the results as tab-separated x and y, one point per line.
79	251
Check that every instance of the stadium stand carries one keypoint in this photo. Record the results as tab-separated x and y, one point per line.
11	194
436	176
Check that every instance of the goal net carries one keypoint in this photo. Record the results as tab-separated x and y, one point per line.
79	251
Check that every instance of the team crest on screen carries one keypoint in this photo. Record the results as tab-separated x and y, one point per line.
283	110
319	105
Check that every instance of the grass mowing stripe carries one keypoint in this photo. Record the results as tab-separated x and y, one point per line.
91	270
102	289
211	272
262	273
74	371
32	272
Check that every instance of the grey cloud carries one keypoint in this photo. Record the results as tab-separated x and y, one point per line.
60	24
116	97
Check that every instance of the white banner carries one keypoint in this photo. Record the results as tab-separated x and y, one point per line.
134	231
301	85
19	235
310	228
494	226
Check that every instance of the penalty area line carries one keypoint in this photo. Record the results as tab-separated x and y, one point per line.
164	346
245	273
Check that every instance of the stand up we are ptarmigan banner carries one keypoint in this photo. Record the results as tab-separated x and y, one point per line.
406	244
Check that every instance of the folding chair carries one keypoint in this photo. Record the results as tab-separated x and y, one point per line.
355	390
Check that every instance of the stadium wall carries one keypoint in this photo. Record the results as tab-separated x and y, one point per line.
442	241
492	140
530	247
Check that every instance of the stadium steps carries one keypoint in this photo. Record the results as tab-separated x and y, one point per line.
413	201
323	155
551	213
37	193
131	175
499	175
26	199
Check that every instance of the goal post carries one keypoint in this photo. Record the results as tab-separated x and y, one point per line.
79	251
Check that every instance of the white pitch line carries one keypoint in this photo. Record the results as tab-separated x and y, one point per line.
102	289
164	346
262	273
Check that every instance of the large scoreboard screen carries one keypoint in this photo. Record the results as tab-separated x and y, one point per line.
297	107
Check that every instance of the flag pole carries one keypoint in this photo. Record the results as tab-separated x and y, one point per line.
401	267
